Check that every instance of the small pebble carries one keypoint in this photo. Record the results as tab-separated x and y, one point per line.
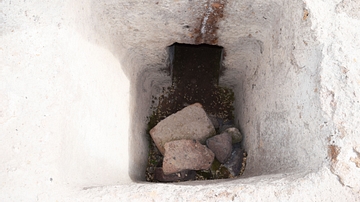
225	125
235	134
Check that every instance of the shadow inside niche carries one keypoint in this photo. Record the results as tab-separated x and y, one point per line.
194	71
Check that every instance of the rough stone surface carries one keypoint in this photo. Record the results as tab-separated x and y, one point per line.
186	155
234	164
188	123
76	78
221	145
235	134
184	175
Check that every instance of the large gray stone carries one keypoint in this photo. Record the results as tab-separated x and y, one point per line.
186	155
188	123
221	146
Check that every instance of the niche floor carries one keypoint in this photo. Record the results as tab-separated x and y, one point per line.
195	72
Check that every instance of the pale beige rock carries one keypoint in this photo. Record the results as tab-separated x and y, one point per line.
186	155
188	123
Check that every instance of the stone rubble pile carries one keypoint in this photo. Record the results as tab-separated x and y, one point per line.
189	143
186	155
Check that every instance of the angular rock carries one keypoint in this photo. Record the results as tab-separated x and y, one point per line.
237	160
186	155
221	146
184	175
188	123
235	134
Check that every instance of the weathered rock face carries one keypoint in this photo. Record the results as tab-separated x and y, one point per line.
221	146
188	123
186	155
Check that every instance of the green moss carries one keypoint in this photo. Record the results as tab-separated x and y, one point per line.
218	170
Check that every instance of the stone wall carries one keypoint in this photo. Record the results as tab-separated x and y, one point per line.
77	79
